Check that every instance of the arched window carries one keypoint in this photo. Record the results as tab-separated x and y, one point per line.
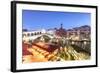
24	35
38	33
32	34
28	34
35	33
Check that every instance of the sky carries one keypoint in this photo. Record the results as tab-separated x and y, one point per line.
35	20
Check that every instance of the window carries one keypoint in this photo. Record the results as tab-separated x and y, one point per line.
28	34
32	34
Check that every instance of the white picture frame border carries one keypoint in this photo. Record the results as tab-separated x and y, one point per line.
19	6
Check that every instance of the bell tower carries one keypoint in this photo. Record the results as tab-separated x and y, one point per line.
61	26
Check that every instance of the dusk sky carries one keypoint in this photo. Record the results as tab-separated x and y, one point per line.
34	20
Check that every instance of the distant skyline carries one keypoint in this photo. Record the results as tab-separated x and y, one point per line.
34	20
